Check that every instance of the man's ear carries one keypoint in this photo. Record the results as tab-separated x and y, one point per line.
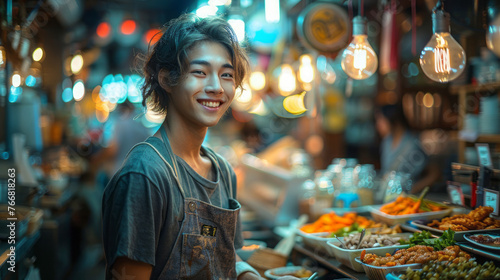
163	78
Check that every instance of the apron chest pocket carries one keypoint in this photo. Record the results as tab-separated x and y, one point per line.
197	256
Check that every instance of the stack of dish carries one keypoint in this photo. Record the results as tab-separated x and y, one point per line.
489	115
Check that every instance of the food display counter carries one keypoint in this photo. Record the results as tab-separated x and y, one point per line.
382	241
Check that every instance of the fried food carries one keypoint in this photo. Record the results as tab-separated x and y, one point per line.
476	219
416	254
480	213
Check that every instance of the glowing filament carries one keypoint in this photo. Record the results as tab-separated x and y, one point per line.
359	58
442	60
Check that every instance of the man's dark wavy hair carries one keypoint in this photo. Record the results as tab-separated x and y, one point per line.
170	53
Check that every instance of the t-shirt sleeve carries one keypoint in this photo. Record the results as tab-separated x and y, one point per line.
132	219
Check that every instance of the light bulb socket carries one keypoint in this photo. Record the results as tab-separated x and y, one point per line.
440	22
359	25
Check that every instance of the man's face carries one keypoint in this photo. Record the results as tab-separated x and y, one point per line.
206	90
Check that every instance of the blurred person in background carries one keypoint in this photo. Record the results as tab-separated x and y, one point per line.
127	131
401	149
170	212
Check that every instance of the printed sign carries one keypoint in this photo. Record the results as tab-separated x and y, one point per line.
455	193
491	199
483	152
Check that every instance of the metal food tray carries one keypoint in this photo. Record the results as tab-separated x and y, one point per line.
347	256
379	272
459	235
319	240
466	246
391	220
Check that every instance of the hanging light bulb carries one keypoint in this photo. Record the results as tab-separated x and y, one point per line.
359	60
257	80
286	80
306	69
442	59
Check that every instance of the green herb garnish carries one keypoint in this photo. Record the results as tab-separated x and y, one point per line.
425	238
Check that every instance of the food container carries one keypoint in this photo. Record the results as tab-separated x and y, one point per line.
265	258
276	273
459	235
380	216
316	240
347	256
395	275
379	272
249	247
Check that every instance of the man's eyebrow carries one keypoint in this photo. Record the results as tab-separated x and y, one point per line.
206	63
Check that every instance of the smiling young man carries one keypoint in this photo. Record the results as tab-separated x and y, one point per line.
170	212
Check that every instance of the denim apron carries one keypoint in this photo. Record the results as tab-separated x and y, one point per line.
204	247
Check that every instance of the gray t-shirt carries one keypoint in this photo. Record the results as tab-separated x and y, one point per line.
142	205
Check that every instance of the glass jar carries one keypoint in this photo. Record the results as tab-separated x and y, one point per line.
365	182
324	191
307	198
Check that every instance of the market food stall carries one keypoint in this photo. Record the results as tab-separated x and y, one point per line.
346	107
408	237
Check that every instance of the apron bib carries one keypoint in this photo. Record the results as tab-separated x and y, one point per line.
204	247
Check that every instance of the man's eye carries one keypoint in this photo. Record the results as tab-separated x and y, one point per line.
227	75
199	72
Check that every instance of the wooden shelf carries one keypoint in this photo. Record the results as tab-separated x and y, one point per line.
489	138
485	138
470	168
462	91
466	89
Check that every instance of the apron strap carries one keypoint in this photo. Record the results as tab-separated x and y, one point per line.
229	181
166	162
209	153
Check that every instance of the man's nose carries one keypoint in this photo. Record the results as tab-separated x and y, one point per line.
214	85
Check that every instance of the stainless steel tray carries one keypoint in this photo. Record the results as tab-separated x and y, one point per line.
459	235
380	272
466	246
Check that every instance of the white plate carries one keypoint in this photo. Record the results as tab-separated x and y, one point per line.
316	240
276	273
467	237
391	220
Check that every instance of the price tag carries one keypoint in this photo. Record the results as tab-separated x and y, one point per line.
491	199
483	152
455	193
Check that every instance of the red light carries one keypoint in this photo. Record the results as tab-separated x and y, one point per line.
103	29
153	35
128	27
